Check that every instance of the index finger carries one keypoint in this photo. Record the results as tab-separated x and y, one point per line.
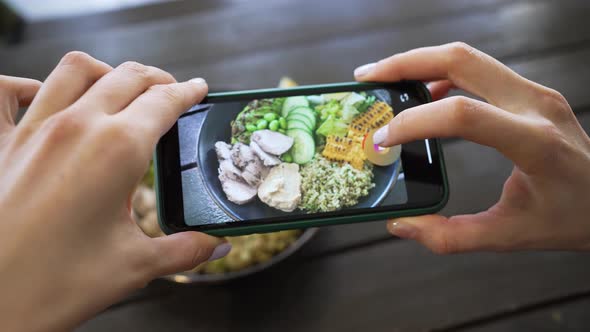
156	110
15	92
513	135
466	67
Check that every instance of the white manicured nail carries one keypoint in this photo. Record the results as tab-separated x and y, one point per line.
364	70
220	251
380	135
198	80
403	230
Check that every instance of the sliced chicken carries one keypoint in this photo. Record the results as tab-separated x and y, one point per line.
251	179
223	150
241	170
254	172
242	155
237	191
281	189
272	142
267	159
229	170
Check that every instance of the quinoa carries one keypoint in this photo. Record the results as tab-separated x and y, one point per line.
329	186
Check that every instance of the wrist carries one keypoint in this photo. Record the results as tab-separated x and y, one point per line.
40	294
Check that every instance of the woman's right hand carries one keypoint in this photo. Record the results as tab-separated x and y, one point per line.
545	203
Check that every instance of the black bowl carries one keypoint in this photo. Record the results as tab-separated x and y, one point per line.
216	127
221	278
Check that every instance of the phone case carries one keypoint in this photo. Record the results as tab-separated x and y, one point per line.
364	217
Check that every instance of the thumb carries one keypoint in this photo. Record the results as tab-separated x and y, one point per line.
15	92
442	235
439	89
183	251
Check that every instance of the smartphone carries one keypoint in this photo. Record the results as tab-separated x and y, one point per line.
268	160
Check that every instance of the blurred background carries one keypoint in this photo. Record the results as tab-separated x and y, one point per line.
354	277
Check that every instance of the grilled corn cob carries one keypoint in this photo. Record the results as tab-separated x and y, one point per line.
338	148
345	149
349	149
378	115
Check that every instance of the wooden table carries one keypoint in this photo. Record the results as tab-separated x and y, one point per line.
354	277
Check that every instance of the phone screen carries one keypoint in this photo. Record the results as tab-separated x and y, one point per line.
290	158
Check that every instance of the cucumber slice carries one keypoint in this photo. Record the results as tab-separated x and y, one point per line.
307	112
296	124
301	118
293	102
303	148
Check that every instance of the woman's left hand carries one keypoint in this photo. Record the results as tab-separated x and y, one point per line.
68	245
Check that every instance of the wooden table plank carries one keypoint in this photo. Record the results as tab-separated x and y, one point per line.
60	28
261	70
213	35
284	11
11	25
571	316
396	286
391	26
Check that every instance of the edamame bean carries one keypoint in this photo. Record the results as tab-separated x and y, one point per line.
261	124
274	125
283	123
287	158
270	117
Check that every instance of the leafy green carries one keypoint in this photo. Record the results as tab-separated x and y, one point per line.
335	115
353	99
277	104
332	107
333	126
348	113
364	106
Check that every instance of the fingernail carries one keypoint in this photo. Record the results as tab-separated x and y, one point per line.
380	135
220	251
403	230
198	80
364	70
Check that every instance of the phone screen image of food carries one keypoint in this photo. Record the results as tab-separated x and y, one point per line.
256	160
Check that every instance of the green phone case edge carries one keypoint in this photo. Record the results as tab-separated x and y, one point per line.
244	230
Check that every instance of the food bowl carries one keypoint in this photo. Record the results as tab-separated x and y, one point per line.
217	278
144	212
